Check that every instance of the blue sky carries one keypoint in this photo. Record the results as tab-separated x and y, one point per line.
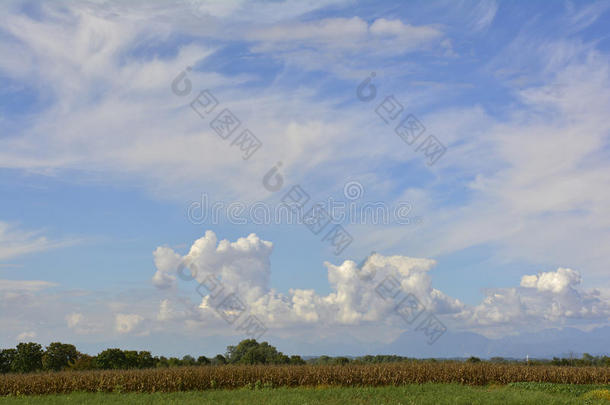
100	162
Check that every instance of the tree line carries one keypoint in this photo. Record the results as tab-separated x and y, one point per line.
31	357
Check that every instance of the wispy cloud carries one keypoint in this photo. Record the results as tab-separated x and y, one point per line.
25	285
15	242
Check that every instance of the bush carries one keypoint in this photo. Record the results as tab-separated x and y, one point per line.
598	395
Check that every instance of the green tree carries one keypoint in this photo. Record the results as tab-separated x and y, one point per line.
58	356
131	359
161	362
324	359
111	359
83	362
202	361
249	351
235	353
296	360
174	362
7	359
188	361
341	361
219	359
473	359
145	360
28	358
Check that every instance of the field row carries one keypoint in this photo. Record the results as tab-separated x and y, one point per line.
230	377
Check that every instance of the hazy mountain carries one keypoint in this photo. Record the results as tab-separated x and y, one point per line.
545	343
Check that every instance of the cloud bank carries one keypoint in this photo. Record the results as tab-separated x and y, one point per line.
542	300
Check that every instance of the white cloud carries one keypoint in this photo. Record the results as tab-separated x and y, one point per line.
15	242
82	324
175	310
347	47
216	8
346	33
353	306
26	336
74	319
538	187
25	285
127	323
166	262
539	176
544	300
557	282
113	112
243	267
243	264
483	14
405	34
547	299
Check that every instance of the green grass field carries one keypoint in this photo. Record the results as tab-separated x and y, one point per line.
518	393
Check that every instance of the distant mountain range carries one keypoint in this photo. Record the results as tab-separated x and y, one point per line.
543	344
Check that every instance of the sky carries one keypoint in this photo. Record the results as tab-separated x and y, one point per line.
178	176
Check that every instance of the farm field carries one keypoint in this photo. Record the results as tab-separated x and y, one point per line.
277	376
430	393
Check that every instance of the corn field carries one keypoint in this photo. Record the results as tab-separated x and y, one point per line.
230	377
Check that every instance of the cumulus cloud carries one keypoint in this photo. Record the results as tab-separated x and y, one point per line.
556	282
546	299
243	264
127	323
243	267
167	262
